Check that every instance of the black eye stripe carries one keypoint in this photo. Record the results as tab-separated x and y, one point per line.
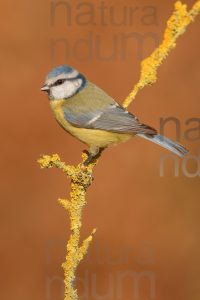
59	82
62	80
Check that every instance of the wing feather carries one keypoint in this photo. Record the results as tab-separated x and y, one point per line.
92	108
112	118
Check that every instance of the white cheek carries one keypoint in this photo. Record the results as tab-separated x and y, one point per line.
66	90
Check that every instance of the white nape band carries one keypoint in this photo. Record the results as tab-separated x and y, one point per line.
73	74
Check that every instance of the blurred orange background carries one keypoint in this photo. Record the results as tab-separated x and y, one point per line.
147	243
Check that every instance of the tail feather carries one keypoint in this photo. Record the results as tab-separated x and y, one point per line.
166	143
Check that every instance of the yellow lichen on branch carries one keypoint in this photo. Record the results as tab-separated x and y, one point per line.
81	179
176	26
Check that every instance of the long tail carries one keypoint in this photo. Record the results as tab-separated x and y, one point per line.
165	143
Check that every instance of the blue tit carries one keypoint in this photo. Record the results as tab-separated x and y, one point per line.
93	117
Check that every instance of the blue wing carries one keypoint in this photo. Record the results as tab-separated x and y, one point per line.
111	117
92	108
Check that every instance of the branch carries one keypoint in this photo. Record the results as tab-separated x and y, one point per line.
81	179
176	26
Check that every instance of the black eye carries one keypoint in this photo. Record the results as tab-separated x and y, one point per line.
59	82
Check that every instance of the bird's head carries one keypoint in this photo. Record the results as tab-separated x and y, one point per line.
63	82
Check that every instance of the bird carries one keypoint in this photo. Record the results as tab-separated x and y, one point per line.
89	114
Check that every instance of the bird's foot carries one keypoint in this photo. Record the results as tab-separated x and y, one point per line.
90	158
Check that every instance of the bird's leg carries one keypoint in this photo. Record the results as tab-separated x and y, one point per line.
93	153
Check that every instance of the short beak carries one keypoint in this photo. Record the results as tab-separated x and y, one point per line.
45	88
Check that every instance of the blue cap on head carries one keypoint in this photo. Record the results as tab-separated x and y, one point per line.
60	70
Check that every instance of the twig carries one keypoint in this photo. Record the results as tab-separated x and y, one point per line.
176	26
